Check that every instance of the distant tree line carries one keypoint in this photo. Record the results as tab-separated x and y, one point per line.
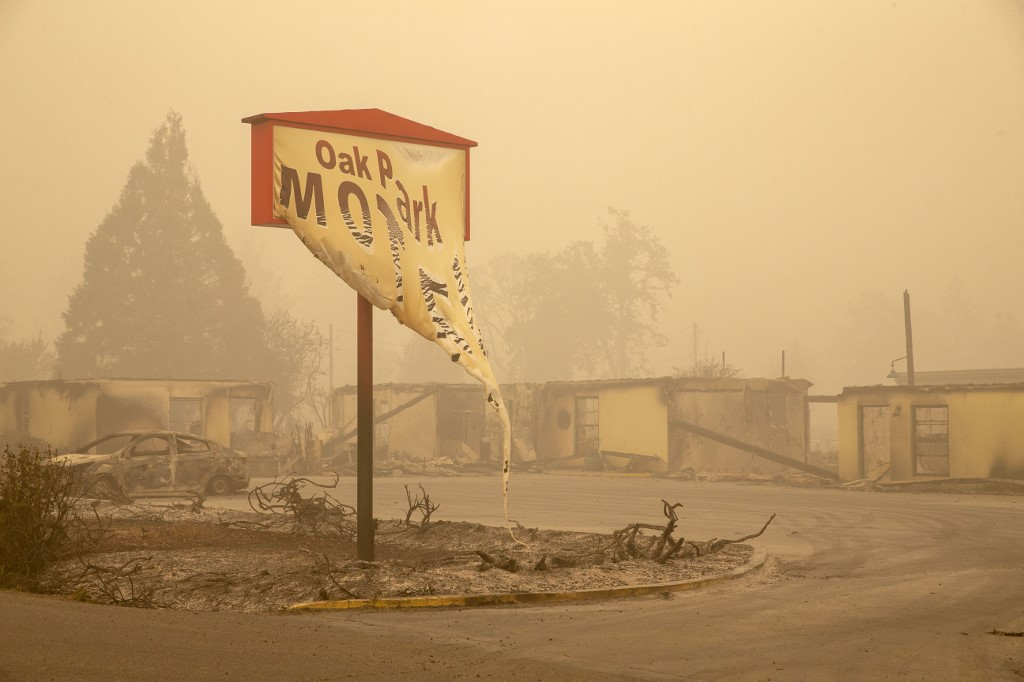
587	310
26	359
164	296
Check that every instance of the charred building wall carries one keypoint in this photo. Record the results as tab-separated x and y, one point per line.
67	414
768	413
628	425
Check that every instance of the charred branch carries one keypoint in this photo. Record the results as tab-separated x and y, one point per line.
326	577
421	503
630	543
714	545
553	561
195	506
505	563
219	580
249	525
122	585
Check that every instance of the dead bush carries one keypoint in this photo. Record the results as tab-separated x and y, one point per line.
317	514
421	503
41	518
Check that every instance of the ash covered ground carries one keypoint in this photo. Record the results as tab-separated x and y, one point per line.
220	560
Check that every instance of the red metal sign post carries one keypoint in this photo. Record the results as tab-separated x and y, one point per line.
364	425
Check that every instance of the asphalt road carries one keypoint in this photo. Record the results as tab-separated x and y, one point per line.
860	586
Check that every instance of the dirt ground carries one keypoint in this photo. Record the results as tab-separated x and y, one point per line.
206	560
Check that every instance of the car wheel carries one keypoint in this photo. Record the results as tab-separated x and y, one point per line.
106	488
218	485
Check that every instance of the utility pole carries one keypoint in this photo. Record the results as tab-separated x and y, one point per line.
910	338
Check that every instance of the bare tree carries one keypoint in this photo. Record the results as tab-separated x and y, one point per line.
301	378
636	277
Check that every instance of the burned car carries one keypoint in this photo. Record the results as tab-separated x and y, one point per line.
139	462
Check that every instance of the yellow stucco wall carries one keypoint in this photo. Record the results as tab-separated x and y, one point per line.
634	419
986	433
636	416
847	437
555	437
411	434
63	415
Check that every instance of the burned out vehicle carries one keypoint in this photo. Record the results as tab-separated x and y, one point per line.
139	462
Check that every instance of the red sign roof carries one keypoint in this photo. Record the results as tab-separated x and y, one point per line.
366	121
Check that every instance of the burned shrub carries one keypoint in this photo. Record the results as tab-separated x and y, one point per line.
317	514
40	520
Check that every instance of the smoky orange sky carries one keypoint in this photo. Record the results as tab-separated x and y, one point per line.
792	155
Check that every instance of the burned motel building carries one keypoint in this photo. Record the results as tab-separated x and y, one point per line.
634	425
947	426
951	426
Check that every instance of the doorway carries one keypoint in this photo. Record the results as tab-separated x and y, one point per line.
873	443
588	439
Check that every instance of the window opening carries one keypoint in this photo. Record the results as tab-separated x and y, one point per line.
24	420
186	415
152	464
460	417
588	441
243	422
381	430
188	445
931	440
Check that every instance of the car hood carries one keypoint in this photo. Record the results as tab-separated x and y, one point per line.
78	459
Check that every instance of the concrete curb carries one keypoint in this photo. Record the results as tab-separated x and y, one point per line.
756	561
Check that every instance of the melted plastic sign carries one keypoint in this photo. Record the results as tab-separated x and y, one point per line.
388	218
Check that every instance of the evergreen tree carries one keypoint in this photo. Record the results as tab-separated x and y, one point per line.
163	295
